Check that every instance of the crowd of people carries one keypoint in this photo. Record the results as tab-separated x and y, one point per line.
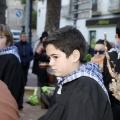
82	75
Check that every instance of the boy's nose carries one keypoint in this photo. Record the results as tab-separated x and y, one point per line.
51	62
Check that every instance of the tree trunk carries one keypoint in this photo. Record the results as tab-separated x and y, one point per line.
52	15
2	11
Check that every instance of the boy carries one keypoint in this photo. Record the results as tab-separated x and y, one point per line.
114	55
80	93
40	63
10	67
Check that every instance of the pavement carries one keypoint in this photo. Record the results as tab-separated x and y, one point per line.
30	112
32	79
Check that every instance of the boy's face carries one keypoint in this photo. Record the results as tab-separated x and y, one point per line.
3	41
60	64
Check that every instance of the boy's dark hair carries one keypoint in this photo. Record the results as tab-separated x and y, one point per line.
101	41
67	39
118	29
4	30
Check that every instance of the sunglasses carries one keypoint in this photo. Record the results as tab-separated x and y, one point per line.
99	51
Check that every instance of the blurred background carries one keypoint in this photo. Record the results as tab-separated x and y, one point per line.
92	17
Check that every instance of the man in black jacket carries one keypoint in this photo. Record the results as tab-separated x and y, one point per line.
26	54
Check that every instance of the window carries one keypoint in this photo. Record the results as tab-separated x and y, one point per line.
92	38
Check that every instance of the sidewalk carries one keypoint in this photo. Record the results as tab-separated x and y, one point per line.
30	112
32	79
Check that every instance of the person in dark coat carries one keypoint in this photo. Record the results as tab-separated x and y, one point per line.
26	54
114	55
10	65
80	93
40	62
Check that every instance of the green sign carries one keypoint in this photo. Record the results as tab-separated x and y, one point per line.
102	22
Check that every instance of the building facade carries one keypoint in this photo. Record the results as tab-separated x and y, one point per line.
14	14
92	17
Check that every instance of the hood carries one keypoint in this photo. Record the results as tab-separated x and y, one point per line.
91	70
10	50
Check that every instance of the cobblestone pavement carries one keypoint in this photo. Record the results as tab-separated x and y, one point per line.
30	112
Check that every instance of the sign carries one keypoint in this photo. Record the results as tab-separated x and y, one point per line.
102	22
19	13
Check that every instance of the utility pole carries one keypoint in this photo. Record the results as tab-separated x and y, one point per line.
27	20
75	11
30	22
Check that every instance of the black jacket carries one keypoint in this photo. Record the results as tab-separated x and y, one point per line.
81	99
25	51
12	76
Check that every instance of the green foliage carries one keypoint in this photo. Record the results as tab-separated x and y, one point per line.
34	19
34	15
93	43
23	1
33	99
87	57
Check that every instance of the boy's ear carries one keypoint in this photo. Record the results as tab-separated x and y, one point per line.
76	55
116	36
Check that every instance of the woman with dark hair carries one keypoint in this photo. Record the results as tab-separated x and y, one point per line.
99	52
101	41
40	63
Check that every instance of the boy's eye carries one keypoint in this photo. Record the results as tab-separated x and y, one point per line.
2	37
55	57
48	57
